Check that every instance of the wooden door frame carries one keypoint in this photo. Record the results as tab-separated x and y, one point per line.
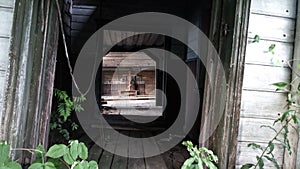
32	60
228	32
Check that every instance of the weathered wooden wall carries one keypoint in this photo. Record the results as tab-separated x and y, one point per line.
30	62
6	20
274	22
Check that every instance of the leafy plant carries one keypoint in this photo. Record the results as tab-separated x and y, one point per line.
73	156
198	157
66	105
5	161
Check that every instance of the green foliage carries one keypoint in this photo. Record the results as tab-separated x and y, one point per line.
5	161
72	156
65	106
271	48
256	39
198	157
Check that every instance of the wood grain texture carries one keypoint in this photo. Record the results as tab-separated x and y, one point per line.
272	28
276	8
265	105
261	78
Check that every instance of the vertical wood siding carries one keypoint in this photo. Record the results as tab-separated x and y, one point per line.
274	22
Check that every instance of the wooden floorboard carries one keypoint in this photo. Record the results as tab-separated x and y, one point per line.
132	148
120	162
135	148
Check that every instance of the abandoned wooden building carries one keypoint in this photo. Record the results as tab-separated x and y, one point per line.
132	94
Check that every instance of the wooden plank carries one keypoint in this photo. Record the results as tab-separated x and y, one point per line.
247	154
95	153
136	150
4	58
106	160
282	28
265	105
120	162
80	18
6	21
110	144
83	10
151	146
285	8
7	3
257	77
250	130
258	52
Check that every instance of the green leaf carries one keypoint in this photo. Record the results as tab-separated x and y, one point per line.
298	66
68	159
256	39
74	146
286	114
271	147
247	166
39	151
57	163
36	166
273	160
280	84
270	127
260	162
254	145
14	165
189	162
4	151
84	164
93	165
57	151
49	165
83	151
272	47
296	120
